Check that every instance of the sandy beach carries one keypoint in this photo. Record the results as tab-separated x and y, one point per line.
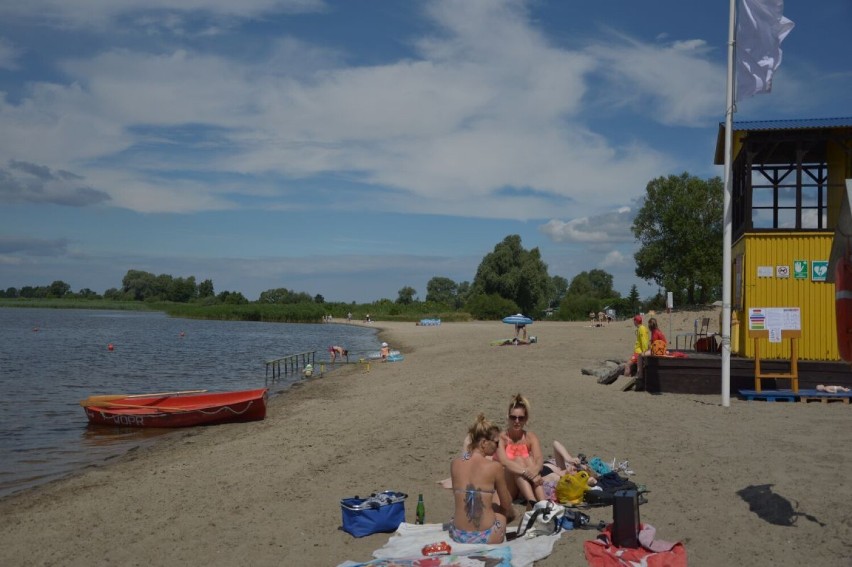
268	493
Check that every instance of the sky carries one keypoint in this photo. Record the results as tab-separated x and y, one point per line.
351	148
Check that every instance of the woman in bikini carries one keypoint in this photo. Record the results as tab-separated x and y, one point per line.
520	454
478	483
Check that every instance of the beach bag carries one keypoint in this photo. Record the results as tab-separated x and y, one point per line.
544	519
381	512
571	487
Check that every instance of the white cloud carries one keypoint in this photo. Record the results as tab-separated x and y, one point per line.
488	121
615	258
611	227
9	55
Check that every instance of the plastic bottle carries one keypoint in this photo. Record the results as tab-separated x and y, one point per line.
421	511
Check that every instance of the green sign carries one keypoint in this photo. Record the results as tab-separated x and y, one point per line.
800	269
820	270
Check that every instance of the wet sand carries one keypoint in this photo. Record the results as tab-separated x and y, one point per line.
268	493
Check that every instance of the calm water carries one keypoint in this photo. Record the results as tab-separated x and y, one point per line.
50	359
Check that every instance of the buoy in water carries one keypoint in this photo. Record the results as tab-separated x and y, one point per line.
110	347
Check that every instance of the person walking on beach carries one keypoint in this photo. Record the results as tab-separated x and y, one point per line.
482	503
335	351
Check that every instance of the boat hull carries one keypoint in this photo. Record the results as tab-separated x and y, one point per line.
181	411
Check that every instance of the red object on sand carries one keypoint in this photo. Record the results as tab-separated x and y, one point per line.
177	410
440	548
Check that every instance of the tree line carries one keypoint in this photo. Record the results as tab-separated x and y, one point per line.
678	226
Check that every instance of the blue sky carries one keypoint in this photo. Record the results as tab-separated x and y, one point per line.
350	148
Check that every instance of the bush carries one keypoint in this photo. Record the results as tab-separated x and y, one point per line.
491	307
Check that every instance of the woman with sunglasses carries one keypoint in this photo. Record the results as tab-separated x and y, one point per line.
483	506
520	454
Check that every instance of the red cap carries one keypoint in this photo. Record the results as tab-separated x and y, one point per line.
637	319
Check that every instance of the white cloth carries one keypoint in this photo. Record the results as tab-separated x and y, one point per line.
761	27
409	539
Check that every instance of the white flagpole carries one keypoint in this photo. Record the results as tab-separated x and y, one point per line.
728	215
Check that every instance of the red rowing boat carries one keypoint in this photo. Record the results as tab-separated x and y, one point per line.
176	409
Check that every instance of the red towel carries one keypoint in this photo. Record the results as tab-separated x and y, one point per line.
602	553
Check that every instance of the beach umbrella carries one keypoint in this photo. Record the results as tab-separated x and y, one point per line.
517	320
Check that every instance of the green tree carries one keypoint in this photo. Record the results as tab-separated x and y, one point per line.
442	290
182	290
319	299
406	295
232	297
516	274
283	295
560	289
58	289
138	285
595	283
205	289
633	299
576	307
679	227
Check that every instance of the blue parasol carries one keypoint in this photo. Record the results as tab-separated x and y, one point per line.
517	320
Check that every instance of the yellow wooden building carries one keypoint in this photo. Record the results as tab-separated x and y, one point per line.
788	180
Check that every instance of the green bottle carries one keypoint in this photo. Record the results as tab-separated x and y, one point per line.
421	510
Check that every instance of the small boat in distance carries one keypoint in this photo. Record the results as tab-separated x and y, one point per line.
176	409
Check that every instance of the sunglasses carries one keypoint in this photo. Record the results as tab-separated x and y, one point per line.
518	417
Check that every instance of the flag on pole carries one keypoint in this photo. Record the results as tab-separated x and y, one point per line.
761	27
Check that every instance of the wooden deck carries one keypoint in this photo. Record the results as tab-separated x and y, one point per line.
701	373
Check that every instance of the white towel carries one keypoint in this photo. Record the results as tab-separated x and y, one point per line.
409	539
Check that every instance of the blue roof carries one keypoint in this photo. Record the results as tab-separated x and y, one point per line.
768	125
794	124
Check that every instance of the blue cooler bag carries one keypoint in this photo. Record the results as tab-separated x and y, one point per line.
381	512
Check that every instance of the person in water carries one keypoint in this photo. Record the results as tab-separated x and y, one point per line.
520	454
335	351
481	501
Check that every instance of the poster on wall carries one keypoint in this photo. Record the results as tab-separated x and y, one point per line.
774	320
782	271
800	269
820	270
764	271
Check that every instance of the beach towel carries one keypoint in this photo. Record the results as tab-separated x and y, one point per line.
409	539
652	552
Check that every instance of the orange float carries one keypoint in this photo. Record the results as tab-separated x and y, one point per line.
843	306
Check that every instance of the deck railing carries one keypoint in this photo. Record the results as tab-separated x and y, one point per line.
292	364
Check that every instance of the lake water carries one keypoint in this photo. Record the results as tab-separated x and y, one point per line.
50	359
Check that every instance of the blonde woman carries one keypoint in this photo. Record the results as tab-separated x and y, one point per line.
482	504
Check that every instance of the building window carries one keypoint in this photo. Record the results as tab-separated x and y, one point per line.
784	199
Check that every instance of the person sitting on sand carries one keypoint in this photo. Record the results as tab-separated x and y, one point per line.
557	466
384	352
482	504
335	351
520	453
